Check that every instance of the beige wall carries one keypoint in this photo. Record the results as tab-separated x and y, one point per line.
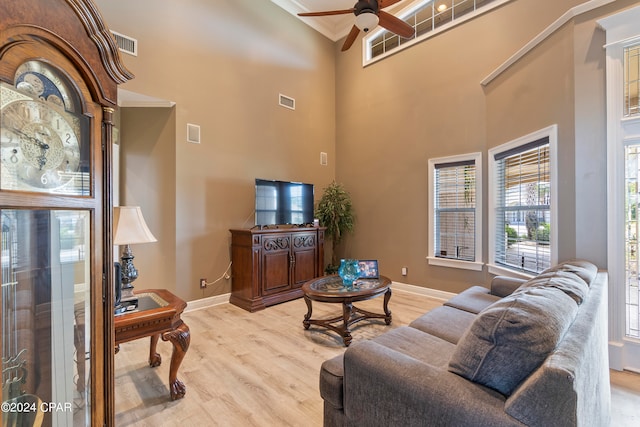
148	180
428	102
223	63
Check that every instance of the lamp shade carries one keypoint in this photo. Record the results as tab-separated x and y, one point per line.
130	227
366	21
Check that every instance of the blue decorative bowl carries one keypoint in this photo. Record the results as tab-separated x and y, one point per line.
349	271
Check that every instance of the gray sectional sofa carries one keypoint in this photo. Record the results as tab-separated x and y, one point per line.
521	353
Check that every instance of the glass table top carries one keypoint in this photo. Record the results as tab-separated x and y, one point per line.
333	285
145	301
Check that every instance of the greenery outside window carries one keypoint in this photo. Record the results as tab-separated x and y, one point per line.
455	219
522	204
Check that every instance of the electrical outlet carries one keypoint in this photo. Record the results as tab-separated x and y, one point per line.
404	271
203	283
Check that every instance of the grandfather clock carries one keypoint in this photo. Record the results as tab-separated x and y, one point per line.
59	71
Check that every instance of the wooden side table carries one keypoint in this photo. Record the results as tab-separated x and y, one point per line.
157	315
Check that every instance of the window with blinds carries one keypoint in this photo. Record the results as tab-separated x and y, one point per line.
455	201
455	220
523	207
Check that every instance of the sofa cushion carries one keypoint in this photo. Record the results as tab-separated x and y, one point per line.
512	337
445	322
571	277
411	342
569	283
473	300
418	345
503	285
583	269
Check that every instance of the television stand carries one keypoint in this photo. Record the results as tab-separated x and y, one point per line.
270	265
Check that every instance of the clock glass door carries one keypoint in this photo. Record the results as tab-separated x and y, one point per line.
45	317
47	256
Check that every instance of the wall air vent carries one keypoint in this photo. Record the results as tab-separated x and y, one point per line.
126	44
287	102
193	133
323	158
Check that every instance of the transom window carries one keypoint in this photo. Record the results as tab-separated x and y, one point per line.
455	220
632	80
428	17
522	206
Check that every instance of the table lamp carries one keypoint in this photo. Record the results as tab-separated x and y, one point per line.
129	229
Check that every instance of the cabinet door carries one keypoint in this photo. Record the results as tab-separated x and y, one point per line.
305	258
276	261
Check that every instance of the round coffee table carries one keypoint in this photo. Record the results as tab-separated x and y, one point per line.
330	289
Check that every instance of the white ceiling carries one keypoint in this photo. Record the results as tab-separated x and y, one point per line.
334	27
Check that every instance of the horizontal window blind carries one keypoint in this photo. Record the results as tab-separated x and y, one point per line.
523	207
455	207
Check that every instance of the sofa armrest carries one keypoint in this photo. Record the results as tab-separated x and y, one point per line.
503	285
384	387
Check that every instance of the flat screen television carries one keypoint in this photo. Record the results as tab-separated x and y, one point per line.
283	202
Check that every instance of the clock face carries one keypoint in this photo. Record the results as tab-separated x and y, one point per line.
42	145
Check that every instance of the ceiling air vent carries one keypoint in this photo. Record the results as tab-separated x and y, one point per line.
287	102
126	44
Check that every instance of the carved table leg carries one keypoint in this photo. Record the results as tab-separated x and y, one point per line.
154	358
307	316
180	338
387	297
347	309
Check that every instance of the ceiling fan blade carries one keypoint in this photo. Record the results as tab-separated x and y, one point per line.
395	25
386	3
353	35
328	13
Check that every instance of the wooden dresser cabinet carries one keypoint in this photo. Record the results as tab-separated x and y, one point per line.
270	265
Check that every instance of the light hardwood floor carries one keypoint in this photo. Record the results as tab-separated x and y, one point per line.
262	369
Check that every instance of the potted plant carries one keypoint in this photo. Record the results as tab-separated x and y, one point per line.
335	212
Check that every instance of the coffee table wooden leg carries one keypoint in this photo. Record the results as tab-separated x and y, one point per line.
385	305
180	338
307	316
347	309
154	357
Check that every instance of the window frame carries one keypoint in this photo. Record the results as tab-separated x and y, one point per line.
550	133
477	264
405	13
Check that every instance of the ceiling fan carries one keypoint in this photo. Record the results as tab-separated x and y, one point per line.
368	14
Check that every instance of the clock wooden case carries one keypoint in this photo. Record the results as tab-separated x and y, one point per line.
59	71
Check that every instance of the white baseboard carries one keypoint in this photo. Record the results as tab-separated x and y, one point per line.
199	304
615	355
432	293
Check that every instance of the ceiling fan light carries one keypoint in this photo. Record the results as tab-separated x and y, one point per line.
366	21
